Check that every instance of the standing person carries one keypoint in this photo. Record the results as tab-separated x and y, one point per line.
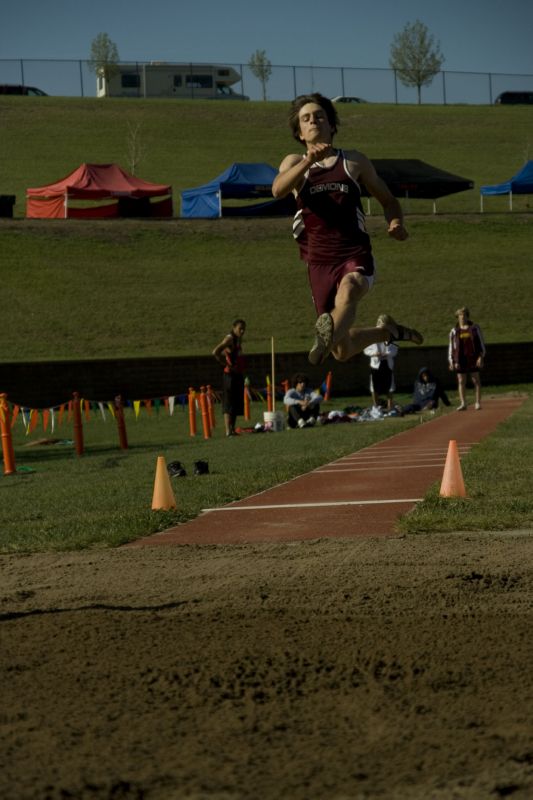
466	355
229	354
382	381
329	227
302	404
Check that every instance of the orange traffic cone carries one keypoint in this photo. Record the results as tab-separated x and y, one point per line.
163	498
452	480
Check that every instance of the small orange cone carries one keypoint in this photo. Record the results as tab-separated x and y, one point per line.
452	480
163	498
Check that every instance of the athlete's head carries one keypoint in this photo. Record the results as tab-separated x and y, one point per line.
316	99
238	327
463	312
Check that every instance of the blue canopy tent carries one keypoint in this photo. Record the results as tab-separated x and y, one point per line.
521	183
238	182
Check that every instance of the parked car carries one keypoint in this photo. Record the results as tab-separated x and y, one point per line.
342	98
512	98
13	88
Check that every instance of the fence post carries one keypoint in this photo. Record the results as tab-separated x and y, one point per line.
192	411
121	423
77	423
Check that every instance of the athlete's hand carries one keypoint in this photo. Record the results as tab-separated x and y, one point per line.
397	231
318	151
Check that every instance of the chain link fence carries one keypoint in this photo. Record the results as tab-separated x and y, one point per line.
73	78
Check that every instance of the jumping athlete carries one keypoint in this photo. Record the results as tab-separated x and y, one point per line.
329	227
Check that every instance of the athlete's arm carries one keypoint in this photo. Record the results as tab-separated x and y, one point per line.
362	169
222	349
293	168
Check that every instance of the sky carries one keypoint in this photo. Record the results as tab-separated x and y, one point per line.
474	35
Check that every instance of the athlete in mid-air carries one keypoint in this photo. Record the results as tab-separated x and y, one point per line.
329	227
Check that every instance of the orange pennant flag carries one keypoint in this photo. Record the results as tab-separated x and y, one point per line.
16	410
34	418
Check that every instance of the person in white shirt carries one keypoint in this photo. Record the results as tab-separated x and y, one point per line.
382	356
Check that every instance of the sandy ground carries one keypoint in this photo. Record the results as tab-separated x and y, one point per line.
372	668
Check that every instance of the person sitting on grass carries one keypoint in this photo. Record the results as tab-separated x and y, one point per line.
426	393
303	405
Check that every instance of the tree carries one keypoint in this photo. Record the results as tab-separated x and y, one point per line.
104	58
414	56
135	147
261	68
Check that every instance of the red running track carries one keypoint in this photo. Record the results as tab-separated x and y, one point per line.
362	494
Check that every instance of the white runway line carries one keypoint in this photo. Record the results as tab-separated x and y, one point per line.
314	505
321	470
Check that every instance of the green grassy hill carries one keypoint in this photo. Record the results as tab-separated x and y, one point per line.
188	142
76	289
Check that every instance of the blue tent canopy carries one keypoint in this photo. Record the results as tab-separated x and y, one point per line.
239	181
521	183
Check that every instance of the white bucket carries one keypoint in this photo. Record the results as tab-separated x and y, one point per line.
274	420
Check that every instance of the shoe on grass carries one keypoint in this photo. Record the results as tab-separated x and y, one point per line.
399	333
462	407
323	340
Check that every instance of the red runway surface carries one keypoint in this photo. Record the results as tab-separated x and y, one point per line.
361	494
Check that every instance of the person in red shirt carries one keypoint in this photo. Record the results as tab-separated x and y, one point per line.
229	354
466	355
329	227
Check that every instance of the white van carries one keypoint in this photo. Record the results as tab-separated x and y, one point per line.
161	79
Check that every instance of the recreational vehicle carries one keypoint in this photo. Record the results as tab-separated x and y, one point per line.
159	79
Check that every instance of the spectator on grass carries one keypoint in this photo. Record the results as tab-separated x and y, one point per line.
229	354
382	355
466	355
303	405
427	392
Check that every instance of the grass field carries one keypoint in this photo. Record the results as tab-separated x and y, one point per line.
59	501
130	288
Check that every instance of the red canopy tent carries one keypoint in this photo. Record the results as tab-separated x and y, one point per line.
132	195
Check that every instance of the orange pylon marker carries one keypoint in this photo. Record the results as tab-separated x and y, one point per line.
452	480
163	498
205	413
269	394
7	441
247	415
327	393
210	396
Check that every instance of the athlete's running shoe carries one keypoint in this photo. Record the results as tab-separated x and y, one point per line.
399	333
323	340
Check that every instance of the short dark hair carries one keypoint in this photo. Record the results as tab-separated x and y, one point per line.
238	322
315	97
299	377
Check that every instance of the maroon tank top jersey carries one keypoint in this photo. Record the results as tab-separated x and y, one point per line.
329	224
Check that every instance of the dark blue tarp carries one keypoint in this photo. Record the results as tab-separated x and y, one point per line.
240	181
521	183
